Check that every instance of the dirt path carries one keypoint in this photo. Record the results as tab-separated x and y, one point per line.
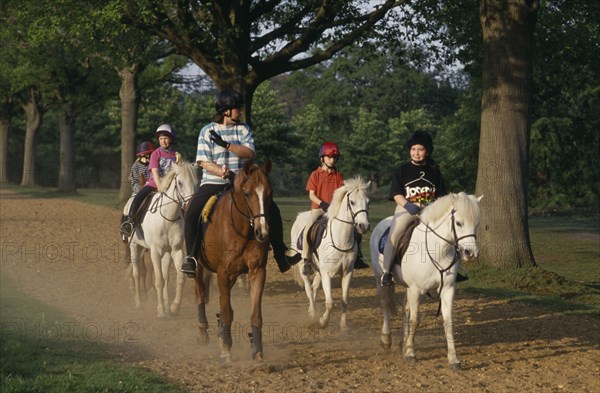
50	249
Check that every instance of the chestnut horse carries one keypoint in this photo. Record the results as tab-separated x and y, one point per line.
236	242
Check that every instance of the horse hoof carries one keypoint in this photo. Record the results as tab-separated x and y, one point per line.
175	309
225	359
386	341
258	357
455	366
410	359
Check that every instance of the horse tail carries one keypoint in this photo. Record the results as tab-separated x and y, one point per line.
387	298
206	278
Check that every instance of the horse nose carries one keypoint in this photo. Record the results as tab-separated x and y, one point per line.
362	227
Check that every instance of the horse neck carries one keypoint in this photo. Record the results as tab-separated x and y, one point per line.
171	203
342	225
443	228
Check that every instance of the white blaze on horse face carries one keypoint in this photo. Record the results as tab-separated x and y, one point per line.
263	226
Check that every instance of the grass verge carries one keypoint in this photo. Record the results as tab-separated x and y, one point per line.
45	354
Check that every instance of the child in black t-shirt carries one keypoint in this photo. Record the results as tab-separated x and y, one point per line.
415	184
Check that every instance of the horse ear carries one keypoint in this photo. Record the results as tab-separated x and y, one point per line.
479	198
247	166
268	166
368	186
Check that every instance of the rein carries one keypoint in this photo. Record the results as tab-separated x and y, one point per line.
179	199
353	215
455	259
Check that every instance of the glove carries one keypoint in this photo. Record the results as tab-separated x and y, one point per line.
412	208
324	206
230	176
216	138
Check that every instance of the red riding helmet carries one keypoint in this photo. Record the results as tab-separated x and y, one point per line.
145	148
329	149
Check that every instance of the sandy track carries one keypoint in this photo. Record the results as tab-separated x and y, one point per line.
68	255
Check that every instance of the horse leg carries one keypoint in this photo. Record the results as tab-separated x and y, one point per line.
386	299
165	263
159	282
326	284
256	278
310	295
410	322
225	316
447	296
201	287
135	274
178	261
346	278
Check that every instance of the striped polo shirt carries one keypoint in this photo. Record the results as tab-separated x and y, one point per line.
236	134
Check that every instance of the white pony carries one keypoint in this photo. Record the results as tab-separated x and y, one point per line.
337	251
161	231
446	233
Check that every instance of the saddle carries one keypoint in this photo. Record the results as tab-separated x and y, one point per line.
315	235
404	241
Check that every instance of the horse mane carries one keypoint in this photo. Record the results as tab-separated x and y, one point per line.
165	181
251	169
355	183
466	204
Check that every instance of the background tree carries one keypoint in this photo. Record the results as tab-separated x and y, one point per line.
241	44
508	27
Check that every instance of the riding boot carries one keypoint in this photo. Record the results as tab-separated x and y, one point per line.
189	266
286	259
461	277
360	262
127	227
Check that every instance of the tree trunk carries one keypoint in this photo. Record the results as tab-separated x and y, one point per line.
129	95
508	27
33	121
66	170
5	118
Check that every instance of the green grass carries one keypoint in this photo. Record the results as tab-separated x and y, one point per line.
95	196
40	352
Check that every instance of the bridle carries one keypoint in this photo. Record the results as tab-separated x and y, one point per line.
248	213
454	245
180	199
353	214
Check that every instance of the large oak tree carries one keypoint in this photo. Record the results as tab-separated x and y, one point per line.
508	33
243	43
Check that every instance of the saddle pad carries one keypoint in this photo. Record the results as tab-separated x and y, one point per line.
208	208
404	241
383	240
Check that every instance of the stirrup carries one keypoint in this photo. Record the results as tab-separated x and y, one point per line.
387	280
189	266
126	228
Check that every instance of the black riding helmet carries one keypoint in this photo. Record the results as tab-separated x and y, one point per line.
420	138
228	99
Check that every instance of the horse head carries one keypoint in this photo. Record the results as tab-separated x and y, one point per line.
466	218
461	215
182	180
252	195
351	203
